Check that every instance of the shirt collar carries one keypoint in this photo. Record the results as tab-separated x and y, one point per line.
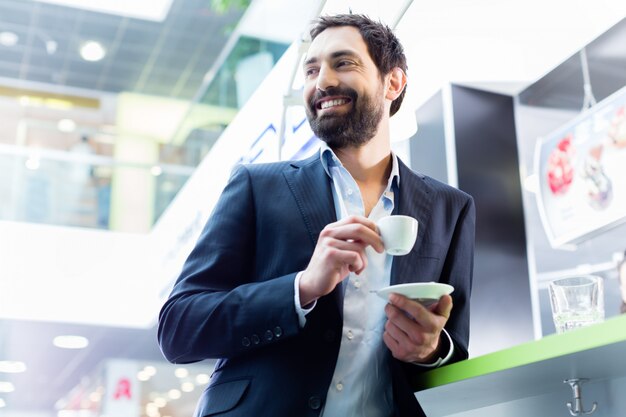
329	159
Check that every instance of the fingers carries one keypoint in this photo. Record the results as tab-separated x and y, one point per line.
408	347
404	320
426	317
348	253
357	229
340	249
352	256
412	331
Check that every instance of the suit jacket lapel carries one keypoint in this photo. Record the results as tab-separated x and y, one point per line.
414	199
310	186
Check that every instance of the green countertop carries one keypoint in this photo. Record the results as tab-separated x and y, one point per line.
611	331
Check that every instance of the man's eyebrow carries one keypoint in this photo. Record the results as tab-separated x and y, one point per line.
343	53
310	61
334	55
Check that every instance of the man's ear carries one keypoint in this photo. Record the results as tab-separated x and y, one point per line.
396	83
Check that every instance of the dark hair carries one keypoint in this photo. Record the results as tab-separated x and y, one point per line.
383	46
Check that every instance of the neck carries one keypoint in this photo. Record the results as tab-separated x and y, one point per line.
370	162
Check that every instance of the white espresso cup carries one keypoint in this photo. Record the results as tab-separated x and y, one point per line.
398	233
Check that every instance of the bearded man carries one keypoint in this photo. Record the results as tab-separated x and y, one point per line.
279	287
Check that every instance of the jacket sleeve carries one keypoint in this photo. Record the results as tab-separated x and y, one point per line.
458	272
459	267
218	308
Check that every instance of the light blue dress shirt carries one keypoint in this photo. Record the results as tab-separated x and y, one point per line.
361	384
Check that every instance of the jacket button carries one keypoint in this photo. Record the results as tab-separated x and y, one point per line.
255	339
278	332
315	403
269	335
245	341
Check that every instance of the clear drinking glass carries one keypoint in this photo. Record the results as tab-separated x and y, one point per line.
577	301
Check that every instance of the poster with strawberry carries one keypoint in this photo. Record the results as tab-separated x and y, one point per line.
581	168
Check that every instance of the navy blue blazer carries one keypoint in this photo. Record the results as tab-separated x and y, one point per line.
234	299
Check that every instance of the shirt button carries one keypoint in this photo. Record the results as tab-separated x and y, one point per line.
255	339
349	191
357	283
350	335
245	341
269	335
339	386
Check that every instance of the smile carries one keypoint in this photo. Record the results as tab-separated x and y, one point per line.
332	103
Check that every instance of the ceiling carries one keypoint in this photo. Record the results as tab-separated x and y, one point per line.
168	58
563	87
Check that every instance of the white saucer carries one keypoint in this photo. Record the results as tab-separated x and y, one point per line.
424	292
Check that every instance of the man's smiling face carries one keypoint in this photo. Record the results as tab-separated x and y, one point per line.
343	90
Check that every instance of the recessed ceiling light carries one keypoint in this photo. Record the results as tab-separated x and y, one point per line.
187	387
2	403
143	376
181	372
8	38
95	397
156	170
12	367
24	101
92	51
66	125
70	342
32	163
203	378
51	47
174	394
152	410
6	387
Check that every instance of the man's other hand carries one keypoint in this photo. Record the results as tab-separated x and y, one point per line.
412	331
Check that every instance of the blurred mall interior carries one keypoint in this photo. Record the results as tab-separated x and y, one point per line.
120	123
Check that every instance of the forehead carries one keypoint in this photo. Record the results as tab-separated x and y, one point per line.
341	38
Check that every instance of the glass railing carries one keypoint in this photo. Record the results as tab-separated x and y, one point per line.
244	64
85	190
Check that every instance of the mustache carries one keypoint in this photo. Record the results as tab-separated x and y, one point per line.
333	91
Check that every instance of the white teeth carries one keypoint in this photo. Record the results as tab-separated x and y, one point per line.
330	103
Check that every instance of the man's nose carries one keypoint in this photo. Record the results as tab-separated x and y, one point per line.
326	78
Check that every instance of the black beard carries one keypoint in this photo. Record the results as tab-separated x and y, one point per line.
354	128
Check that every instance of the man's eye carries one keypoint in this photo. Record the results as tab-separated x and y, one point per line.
343	63
310	71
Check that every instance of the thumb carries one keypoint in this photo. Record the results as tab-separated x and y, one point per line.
444	306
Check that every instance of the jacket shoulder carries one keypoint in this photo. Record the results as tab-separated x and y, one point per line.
273	168
436	186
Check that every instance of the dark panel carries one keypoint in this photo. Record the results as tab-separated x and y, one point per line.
428	147
488	169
